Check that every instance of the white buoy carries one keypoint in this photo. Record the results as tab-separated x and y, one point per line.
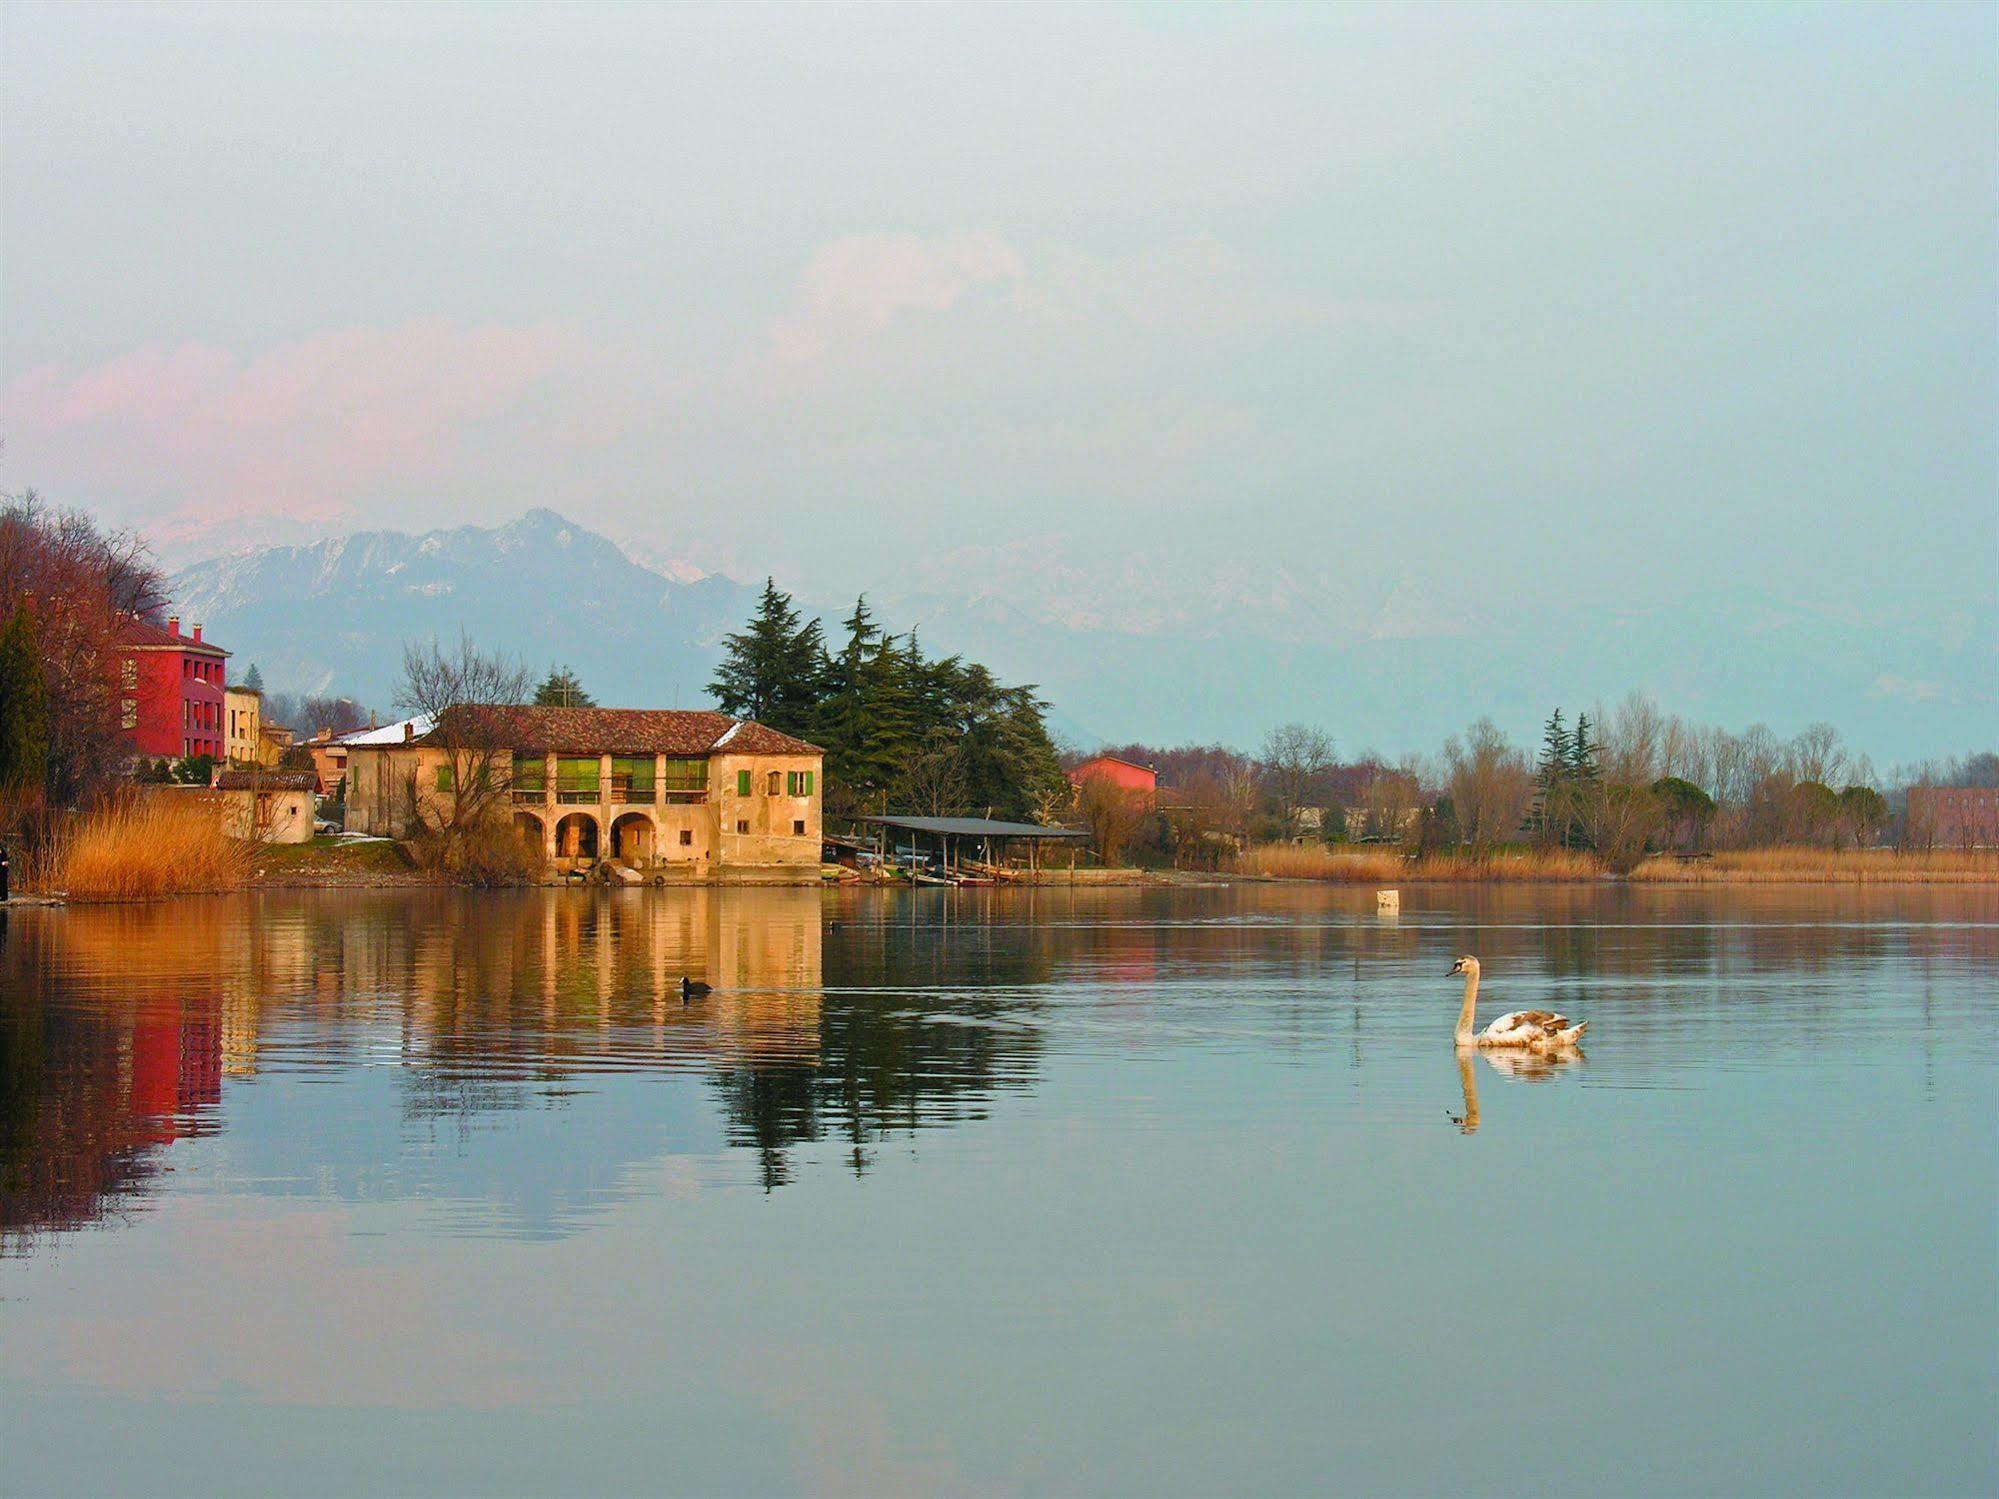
1388	900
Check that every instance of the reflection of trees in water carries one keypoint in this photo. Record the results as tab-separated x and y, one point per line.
929	1012
119	1025
89	1096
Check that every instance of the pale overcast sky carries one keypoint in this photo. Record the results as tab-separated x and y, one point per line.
1402	303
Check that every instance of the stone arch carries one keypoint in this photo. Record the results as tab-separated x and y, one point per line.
634	839
576	836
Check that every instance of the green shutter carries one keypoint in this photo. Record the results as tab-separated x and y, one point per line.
808	783
742	783
791	783
686	775
445	778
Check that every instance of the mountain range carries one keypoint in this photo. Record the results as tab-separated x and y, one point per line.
1222	663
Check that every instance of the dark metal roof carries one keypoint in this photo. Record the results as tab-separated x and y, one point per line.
973	827
267	780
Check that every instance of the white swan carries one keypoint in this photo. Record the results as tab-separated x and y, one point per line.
1541	1030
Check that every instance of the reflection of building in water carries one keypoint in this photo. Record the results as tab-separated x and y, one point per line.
124	1026
92	1091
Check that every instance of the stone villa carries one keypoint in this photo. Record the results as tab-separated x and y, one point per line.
668	792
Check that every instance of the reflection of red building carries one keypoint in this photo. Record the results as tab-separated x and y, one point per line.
171	698
1120	773
176	1069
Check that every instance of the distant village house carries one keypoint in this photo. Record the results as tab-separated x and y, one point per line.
1962	817
1123	774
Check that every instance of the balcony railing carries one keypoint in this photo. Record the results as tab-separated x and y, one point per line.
571	797
531	795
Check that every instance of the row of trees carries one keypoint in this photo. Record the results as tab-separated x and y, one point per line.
1621	782
939	736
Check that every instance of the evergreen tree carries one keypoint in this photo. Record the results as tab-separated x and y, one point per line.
24	706
771	670
562	688
1582	753
254	682
1547	818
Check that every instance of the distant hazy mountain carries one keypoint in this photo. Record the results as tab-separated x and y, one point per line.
1224	663
335	614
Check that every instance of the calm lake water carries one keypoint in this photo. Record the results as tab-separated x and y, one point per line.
1134	1191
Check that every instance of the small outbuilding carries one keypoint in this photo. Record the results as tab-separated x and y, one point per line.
269	806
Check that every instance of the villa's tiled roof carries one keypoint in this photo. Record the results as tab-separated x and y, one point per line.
634	731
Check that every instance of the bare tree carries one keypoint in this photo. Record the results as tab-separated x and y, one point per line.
1817	754
1389	799
933	785
1295	755
1490	783
1621	820
1113	814
1629	740
463	694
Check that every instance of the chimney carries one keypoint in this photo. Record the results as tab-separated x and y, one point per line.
409	730
197	634
173	624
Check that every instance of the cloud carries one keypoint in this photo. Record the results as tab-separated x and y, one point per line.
1908	689
302	429
857	284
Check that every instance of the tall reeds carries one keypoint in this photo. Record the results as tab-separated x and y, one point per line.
1804	865
1385	866
141	848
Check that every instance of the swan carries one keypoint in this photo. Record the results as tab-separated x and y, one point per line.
1540	1030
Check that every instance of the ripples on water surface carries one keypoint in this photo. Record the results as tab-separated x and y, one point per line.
1124	1191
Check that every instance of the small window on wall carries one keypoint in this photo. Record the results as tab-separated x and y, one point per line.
743	785
743	823
772	785
798	783
798	828
687	837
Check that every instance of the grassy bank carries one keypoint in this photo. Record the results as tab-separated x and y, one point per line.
1824	866
334	863
140	849
1385	866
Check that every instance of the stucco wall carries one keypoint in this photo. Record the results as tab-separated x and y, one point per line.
287	815
379	783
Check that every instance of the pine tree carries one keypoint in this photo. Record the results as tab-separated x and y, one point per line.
254	682
771	670
24	706
1546	820
562	688
1582	753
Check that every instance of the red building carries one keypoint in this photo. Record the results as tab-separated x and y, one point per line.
171	705
1120	773
1963	817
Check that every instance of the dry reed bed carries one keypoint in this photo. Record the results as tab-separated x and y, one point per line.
1824	866
1315	861
142	848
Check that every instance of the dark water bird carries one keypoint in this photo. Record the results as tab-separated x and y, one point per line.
691	989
